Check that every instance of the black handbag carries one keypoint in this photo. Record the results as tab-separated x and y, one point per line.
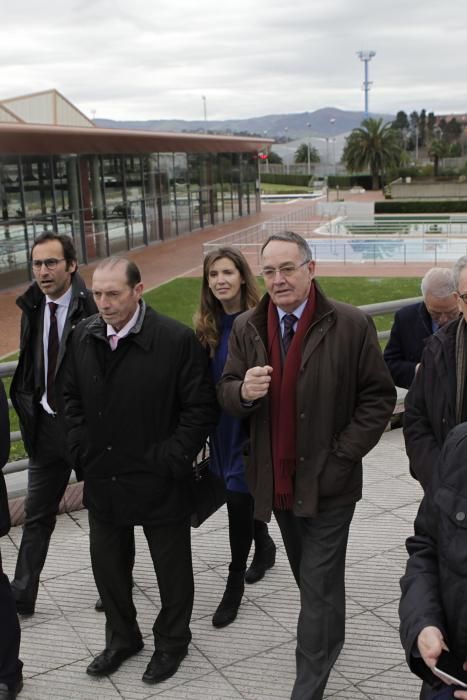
208	490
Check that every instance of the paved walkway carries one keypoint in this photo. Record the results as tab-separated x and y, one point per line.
254	657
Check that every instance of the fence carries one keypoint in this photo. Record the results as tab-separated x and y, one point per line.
303	220
401	240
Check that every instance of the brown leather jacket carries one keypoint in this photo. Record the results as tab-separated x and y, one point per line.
345	397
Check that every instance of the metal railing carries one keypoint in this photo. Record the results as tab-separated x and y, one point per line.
7	369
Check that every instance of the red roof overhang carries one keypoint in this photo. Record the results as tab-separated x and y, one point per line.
38	139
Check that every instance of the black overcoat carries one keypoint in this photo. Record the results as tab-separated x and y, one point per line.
27	385
430	404
435	582
137	417
4	453
409	333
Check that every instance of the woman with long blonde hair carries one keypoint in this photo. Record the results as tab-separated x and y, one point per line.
228	288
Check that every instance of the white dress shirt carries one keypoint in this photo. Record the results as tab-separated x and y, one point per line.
298	313
61	313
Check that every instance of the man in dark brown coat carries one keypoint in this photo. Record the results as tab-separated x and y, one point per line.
310	375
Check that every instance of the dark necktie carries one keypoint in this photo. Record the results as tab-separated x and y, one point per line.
52	354
289	320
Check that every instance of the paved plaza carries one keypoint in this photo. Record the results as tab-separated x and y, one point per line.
254	657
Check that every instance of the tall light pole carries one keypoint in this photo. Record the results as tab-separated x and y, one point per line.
308	160
205	112
332	121
265	132
286	138
366	57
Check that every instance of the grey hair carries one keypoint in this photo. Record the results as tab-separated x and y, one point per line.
457	269
290	237
440	282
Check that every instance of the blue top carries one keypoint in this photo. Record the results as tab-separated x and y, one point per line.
230	434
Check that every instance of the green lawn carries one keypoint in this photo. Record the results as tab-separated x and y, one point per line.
180	299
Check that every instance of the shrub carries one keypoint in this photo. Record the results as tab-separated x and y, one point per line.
423	207
284	179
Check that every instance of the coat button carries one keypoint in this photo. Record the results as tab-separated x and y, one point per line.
302	416
300	503
114	478
302	459
460	516
109	447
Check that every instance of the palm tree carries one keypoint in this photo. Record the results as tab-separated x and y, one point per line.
301	154
374	146
437	150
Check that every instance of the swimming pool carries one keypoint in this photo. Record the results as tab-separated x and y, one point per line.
379	249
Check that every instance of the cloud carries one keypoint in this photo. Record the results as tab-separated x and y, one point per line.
143	60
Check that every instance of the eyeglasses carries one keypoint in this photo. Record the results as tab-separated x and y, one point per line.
50	263
463	297
284	270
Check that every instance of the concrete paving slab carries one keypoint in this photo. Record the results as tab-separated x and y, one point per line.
254	658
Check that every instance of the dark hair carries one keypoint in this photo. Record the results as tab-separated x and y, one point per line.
69	252
208	317
133	274
290	237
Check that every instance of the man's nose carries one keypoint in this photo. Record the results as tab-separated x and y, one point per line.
278	274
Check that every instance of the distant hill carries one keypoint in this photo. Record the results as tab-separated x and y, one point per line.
327	121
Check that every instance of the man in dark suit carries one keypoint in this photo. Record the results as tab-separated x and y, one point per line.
139	405
11	679
51	307
415	323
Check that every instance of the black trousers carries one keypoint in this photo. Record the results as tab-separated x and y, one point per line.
112	555
240	512
10	635
47	480
316	549
243	529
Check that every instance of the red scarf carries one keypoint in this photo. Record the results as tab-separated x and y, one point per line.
283	400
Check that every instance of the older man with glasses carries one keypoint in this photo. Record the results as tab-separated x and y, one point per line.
414	324
51	307
308	374
437	398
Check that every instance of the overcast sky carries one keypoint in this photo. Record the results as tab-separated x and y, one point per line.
143	59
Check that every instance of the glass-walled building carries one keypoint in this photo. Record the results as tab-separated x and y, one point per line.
114	190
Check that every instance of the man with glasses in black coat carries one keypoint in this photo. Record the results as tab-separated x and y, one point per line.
51	307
